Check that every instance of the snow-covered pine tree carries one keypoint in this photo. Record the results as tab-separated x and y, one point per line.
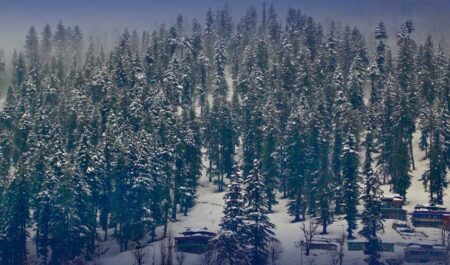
187	163
381	36
319	178
230	244
336	161
19	70
258	229
269	159
371	196
400	156
32	55
46	43
193	157
435	177
15	215
355	85
252	110
222	133
296	163
428	83
350	166
406	78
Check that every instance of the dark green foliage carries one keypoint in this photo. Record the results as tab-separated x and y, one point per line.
115	138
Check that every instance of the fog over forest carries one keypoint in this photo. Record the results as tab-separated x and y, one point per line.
108	18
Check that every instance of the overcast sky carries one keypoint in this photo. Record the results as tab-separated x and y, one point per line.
101	16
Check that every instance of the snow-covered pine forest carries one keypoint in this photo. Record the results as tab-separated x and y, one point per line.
271	127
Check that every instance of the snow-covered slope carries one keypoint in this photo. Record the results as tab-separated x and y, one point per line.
208	211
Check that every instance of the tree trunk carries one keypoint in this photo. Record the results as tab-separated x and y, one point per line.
185	209
307	249
106	234
412	153
174	210
324	227
153	232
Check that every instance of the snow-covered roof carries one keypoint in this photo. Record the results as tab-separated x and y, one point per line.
392	196
430	207
425	246
196	231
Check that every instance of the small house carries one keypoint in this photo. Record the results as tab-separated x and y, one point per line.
446	221
194	240
361	246
422	253
393	201
393	213
394	261
323	245
429	215
392	207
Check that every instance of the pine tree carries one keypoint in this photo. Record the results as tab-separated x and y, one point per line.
356	84
46	43
435	177
322	176
273	27
15	216
336	161
400	160
350	166
269	165
60	39
221	140
386	131
371	215
193	160
142	187
406	80
187	164
428	85
258	229
32	51
427	72
2	70
381	36
296	160
19	70
252	137
210	36
230	244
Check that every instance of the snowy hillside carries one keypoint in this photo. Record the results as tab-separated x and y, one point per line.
276	128
209	207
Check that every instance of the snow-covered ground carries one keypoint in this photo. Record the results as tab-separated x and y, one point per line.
208	211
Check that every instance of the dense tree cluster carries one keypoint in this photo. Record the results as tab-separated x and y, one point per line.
113	140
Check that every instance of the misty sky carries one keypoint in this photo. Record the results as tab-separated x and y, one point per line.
111	16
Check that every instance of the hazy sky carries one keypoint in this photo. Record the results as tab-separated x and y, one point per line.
95	16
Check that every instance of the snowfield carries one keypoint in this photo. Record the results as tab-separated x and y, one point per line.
208	211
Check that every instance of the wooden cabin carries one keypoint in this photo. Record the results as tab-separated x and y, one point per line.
394	261
446	221
361	246
392	207
429	215
324	245
393	213
194	240
422	253
393	201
